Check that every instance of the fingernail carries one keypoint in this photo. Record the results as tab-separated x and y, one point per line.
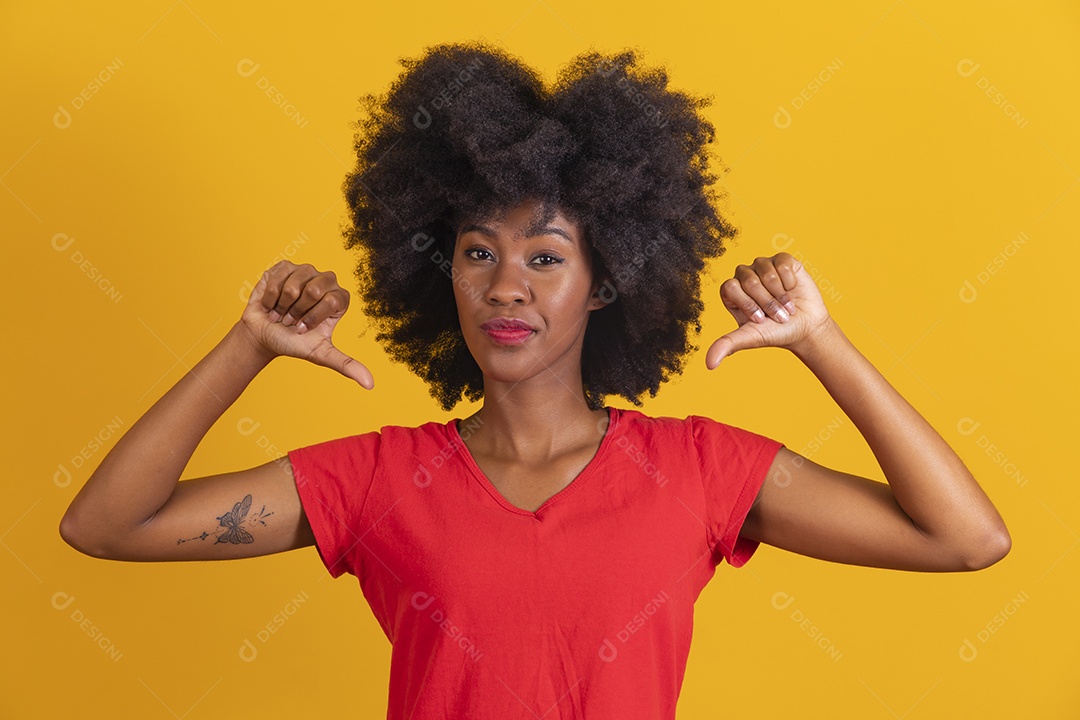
790	306
758	316
782	315
288	320
274	317
301	328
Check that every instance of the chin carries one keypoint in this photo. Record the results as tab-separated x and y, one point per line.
508	365
509	370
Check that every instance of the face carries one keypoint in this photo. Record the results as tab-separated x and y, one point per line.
512	269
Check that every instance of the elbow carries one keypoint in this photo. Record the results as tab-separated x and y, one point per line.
70	534
988	552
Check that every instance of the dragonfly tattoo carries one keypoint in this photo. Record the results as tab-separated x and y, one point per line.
230	524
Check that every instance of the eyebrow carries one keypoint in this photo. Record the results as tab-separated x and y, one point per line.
532	231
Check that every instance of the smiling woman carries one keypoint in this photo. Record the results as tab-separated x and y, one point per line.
536	285
637	199
539	249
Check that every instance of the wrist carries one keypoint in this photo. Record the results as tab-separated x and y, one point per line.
245	349
824	340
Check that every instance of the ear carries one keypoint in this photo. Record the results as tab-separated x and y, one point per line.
604	293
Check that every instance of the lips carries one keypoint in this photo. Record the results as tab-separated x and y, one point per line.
508	331
506	325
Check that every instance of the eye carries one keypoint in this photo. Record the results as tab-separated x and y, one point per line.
552	259
472	250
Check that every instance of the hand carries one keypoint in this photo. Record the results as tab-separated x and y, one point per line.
757	297
293	310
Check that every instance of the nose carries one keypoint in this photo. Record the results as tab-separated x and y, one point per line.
508	284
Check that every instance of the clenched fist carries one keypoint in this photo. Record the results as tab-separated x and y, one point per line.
293	310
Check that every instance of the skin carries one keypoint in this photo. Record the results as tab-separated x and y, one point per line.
535	431
931	515
134	507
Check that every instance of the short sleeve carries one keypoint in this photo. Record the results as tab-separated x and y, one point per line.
333	479
734	463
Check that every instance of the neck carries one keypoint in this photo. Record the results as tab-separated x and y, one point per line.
535	420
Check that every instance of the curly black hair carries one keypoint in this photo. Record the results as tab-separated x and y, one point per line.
468	131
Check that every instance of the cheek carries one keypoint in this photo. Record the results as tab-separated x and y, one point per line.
573	290
564	296
565	303
467	288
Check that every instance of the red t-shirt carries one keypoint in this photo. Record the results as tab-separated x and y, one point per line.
582	609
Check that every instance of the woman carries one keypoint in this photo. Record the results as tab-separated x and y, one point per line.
538	249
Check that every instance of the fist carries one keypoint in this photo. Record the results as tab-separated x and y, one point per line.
293	311
776	304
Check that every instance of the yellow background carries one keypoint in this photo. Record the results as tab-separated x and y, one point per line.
900	179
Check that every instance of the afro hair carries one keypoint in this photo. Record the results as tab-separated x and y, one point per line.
467	131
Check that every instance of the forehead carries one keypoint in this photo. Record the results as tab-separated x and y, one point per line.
528	219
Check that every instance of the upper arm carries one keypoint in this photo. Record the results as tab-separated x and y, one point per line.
232	515
815	511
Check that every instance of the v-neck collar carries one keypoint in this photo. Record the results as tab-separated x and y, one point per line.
589	470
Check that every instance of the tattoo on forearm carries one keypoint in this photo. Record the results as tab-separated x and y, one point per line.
230	528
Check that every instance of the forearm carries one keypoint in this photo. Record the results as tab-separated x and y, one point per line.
927	478
140	473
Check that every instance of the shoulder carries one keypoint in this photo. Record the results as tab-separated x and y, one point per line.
392	438
699	426
717	442
705	427
630	420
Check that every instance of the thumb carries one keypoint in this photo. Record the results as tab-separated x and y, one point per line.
327	355
739	339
